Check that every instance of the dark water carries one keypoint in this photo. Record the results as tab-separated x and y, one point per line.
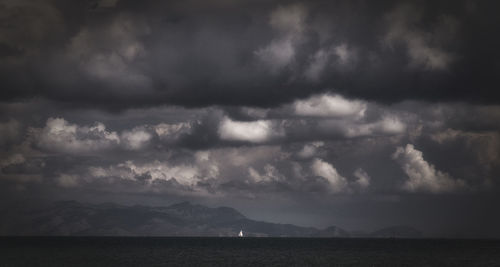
150	251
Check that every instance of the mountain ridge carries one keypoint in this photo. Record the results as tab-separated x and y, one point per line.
72	218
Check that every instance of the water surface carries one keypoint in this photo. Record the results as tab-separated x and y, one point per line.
214	251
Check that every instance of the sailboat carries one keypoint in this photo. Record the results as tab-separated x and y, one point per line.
240	234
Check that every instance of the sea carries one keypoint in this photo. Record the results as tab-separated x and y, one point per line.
225	251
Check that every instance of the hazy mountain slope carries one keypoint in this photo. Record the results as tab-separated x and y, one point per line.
182	219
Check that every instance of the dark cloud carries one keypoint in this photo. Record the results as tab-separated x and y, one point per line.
123	54
353	113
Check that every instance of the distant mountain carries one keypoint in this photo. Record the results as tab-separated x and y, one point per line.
400	231
182	219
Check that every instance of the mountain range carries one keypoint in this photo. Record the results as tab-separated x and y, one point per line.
71	218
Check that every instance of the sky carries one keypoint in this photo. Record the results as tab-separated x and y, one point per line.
359	114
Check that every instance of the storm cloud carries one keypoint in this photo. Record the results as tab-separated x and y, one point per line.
348	113
245	52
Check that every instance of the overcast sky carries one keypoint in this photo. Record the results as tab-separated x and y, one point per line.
360	114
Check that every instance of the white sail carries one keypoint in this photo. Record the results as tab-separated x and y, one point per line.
241	233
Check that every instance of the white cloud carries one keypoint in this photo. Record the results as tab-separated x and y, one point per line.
289	22
202	167
386	125
184	174
326	170
390	125
310	149
327	105
242	157
136	139
256	113
171	132
270	174
255	131
340	56
207	164
278	54
60	135
422	176
363	179
343	53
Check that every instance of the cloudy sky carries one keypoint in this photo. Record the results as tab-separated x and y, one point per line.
360	114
